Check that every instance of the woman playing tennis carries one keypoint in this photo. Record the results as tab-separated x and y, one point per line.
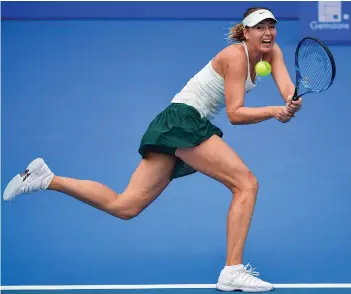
181	140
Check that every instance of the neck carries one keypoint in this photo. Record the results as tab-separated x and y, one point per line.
254	55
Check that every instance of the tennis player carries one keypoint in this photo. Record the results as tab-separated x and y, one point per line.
181	140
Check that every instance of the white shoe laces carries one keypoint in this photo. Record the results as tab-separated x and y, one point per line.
28	188
248	275
250	270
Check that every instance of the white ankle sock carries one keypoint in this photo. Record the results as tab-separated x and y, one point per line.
231	268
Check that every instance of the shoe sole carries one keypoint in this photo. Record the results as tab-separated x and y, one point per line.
229	289
17	180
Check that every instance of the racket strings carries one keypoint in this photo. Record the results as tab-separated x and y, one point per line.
315	67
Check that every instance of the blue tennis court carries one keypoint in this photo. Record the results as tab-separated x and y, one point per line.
189	291
80	91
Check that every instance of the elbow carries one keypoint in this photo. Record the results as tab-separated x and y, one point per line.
235	114
234	118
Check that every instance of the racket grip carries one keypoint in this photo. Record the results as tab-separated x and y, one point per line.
295	97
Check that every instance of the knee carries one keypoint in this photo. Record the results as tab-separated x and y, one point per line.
246	180
249	181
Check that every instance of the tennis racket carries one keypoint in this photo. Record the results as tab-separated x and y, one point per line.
315	67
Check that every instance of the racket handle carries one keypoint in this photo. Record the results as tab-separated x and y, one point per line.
295	97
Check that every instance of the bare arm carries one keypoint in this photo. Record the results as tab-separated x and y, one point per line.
280	74
234	91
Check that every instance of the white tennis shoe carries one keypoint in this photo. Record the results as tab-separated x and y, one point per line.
242	278
36	177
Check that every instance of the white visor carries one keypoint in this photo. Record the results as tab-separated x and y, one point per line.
256	17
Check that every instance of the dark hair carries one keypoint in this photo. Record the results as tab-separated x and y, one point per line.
236	32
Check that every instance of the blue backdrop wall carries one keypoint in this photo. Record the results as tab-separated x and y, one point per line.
80	93
141	9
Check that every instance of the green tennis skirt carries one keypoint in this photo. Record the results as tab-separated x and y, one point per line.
177	126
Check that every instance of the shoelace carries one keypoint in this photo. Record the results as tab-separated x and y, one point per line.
249	275
27	186
250	270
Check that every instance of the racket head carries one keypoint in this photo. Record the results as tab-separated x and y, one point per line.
315	66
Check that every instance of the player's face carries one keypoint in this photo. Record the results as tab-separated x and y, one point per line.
262	36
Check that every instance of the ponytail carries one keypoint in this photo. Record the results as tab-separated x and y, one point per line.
236	33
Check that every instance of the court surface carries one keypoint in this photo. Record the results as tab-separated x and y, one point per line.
188	291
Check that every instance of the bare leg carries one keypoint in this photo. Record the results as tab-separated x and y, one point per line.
238	223
217	160
149	179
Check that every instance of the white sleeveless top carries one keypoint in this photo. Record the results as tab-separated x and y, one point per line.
205	91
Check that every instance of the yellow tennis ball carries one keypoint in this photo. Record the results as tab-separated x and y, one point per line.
263	68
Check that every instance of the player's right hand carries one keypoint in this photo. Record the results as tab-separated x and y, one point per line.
292	105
